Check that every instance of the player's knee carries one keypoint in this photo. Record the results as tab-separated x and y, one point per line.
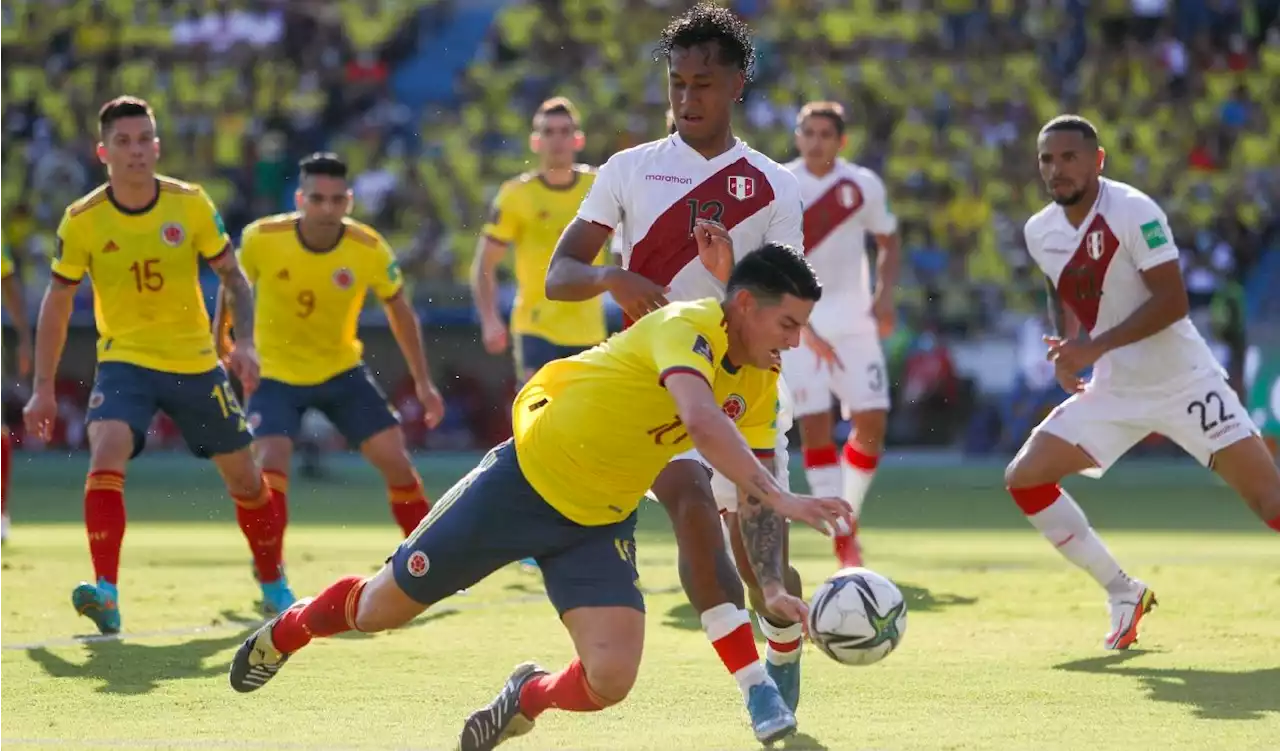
611	675
111	443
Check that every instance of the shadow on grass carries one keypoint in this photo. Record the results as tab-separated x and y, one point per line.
802	742
1210	694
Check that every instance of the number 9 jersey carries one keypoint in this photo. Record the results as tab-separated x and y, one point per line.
308	300
148	304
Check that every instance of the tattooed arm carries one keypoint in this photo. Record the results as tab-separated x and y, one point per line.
237	296
764	532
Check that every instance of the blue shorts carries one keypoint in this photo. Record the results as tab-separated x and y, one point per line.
493	517
202	405
532	352
351	400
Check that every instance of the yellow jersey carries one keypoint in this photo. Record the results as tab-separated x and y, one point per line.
593	431
531	215
6	263
307	301
147	300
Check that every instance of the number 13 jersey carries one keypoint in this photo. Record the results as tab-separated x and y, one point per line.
1096	269
656	191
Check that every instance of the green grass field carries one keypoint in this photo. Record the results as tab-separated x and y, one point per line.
1002	649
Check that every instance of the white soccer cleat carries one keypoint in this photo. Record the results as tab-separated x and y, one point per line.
1126	612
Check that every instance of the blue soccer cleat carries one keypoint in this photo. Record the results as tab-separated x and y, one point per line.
276	596
770	718
788	679
529	566
99	603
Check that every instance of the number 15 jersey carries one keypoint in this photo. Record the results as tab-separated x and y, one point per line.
656	191
147	301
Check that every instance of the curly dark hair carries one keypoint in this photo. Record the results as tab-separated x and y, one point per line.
705	23
774	270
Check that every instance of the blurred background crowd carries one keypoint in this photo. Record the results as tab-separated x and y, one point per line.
430	101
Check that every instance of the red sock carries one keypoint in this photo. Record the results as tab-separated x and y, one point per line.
1274	524
279	484
728	628
567	690
408	504
846	547
104	521
1036	498
263	526
4	475
854	457
333	611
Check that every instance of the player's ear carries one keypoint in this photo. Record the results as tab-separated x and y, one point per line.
351	201
844	141
1102	158
102	152
535	143
579	140
298	199
739	84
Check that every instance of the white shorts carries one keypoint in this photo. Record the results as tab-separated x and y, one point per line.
862	385
1203	418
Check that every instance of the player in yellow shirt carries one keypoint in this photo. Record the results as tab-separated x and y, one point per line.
527	217
311	271
15	304
591	434
141	237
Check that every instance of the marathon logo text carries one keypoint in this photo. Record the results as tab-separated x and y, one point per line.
670	179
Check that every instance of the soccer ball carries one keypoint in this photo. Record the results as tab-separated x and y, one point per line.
857	617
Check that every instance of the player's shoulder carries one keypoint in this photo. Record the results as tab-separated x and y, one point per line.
89	201
1123	201
795	166
1040	221
272	225
865	177
361	234
174	186
649	152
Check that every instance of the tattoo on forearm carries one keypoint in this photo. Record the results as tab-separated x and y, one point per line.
763	533
240	300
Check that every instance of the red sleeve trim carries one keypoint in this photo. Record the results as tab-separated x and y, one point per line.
220	254
394	296
764	453
65	280
678	370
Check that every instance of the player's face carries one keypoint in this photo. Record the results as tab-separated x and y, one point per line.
1069	165
769	328
557	140
702	91
323	200
817	139
130	149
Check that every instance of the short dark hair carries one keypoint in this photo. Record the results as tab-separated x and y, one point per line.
556	105
774	270
120	108
1071	124
324	163
830	110
705	23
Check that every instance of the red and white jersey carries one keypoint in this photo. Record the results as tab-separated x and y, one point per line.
652	193
840	209
1096	269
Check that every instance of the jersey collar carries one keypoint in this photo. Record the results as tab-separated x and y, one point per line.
111	196
297	230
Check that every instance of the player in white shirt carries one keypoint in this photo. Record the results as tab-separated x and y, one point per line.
842	356
672	201
1107	253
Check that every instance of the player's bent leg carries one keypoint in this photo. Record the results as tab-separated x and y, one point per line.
861	457
1032	479
386	451
111	444
275	455
1248	468
261	519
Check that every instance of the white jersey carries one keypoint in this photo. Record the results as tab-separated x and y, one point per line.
1096	270
840	209
652	193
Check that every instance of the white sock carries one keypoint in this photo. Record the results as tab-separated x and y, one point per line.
826	481
1063	524
857	476
787	637
723	626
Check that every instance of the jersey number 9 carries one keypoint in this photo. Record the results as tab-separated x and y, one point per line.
306	303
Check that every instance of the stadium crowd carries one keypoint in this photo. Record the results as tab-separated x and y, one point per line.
945	96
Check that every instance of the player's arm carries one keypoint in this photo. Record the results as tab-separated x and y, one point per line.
407	330
764	532
1062	322
1149	242
236	296
574	274
70	263
501	230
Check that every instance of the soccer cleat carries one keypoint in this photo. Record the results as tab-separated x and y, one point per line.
770	718
501	719
257	660
276	596
99	603
787	678
1126	612
529	566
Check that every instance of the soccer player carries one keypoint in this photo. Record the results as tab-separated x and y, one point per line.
140	237
668	199
844	202
615	414
1108	254
311	271
527	217
15	303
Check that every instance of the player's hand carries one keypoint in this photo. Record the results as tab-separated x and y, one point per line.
1071	355
636	295
830	516
715	248
822	348
785	606
1068	380
244	363
432	403
494	336
886	315
26	354
41	413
